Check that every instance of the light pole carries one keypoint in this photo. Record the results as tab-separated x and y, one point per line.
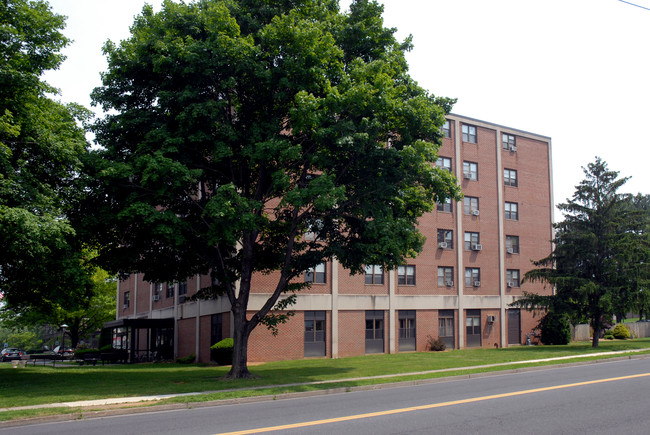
63	327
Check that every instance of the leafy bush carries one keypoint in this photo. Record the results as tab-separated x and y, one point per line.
79	353
106	348
620	332
555	328
435	344
221	352
189	359
608	335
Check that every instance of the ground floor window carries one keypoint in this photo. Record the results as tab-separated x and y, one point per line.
315	333
406	330
374	331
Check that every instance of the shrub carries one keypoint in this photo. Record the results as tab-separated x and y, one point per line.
189	359
79	353
620	332
608	335
555	328
107	348
435	344
221	352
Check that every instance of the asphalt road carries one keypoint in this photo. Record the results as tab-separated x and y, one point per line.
600	398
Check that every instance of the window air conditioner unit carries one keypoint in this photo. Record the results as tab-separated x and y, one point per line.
467	176
442	245
491	319
477	247
475	212
156	298
510	251
181	299
477	283
513	148
125	306
511	284
449	283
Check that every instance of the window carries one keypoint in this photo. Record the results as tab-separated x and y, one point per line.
445	276
182	288
511	211
316	274
508	142
406	275
510	177
170	290
512	244
446	236
470	205
314	226
512	277
127	299
157	288
374	274
445	206
470	171
469	133
472	277
444	163
446	128
471	239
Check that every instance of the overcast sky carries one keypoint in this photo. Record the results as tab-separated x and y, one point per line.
575	70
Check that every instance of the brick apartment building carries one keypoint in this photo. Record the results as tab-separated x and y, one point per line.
458	288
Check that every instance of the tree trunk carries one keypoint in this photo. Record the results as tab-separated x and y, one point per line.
239	369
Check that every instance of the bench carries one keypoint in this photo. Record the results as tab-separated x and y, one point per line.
114	357
91	357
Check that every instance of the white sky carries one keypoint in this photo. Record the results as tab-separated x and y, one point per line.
575	70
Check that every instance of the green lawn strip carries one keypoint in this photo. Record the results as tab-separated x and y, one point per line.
40	385
279	390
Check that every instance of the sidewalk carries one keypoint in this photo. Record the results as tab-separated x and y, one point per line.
153	398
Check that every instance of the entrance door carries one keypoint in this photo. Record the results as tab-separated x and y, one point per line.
406	330
446	328
514	326
473	328
315	333
374	331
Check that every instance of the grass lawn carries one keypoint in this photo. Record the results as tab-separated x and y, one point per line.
45	384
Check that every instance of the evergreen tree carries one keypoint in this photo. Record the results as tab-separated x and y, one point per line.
599	256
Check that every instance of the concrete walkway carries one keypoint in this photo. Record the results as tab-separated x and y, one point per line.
153	398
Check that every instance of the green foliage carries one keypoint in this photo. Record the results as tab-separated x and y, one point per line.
233	128
41	152
620	332
608	335
600	262
436	344
189	359
555	328
221	352
79	353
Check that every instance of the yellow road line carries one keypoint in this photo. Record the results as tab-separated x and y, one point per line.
430	406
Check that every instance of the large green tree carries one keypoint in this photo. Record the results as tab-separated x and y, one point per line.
600	253
41	147
235	127
84	318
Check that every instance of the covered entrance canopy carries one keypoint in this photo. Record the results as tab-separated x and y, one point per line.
143	339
